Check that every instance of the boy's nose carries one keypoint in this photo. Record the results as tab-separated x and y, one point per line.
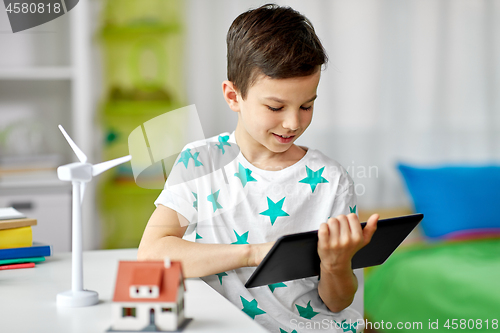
291	121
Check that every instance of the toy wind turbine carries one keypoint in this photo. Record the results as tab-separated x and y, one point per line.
80	173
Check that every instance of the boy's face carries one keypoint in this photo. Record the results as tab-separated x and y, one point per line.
276	112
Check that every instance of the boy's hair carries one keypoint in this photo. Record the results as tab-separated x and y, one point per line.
275	41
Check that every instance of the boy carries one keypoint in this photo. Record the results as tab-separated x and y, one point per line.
271	188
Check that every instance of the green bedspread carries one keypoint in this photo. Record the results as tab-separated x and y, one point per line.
445	281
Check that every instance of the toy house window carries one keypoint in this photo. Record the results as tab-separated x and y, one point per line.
144	291
166	309
128	312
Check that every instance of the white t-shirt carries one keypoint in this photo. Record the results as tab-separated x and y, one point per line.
227	200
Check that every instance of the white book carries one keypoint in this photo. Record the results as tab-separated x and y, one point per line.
9	213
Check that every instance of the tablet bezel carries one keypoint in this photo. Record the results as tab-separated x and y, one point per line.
390	234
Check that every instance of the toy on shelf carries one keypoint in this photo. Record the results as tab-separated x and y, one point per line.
80	173
149	296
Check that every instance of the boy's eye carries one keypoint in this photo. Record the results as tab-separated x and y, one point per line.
274	109
281	108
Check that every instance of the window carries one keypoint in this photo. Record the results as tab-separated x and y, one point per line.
128	312
166	309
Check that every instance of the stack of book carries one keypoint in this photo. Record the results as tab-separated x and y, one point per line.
17	249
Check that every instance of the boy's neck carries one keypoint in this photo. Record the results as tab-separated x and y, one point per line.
263	158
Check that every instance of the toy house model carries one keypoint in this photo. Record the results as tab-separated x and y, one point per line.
148	294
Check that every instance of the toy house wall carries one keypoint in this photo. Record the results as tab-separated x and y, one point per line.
163	320
180	303
166	320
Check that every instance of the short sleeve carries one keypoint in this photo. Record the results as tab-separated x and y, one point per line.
345	201
179	192
181	199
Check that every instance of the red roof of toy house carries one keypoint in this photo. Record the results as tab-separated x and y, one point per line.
149	273
149	276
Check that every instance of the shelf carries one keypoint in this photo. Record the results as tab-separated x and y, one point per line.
42	179
36	73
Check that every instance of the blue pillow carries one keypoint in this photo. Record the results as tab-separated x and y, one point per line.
455	199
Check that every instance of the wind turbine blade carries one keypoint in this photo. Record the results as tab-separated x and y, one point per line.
79	153
101	167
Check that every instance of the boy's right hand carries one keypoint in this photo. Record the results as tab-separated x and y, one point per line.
258	252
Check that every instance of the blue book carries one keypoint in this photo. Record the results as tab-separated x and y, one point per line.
37	250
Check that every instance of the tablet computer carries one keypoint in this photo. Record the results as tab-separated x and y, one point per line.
295	256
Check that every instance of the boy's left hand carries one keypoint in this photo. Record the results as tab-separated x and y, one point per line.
340	238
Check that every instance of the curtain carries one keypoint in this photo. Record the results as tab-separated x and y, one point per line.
414	81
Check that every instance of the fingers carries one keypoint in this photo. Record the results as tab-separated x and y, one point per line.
370	228
356	231
323	235
334	226
341	230
344	229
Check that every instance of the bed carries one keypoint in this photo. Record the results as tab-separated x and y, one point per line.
450	278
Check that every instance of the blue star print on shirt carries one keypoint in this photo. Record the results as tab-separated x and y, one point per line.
306	312
186	156
346	327
245	175
213	199
195	202
251	308
314	178
223	142
221	275
276	285
283	331
243	239
274	211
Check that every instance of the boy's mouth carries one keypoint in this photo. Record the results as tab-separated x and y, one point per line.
283	138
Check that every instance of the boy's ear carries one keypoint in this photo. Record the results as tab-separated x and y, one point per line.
231	95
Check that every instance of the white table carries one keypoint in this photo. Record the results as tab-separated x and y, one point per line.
28	298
